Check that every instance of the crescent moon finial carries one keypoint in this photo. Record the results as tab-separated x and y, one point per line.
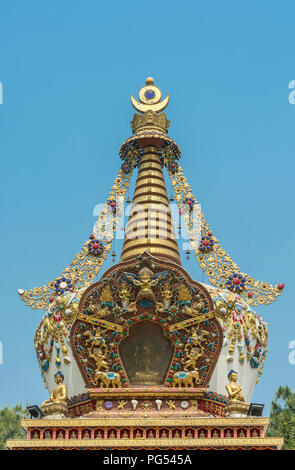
150	98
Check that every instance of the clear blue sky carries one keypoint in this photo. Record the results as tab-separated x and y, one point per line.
67	70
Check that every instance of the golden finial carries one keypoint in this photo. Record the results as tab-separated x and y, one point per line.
150	98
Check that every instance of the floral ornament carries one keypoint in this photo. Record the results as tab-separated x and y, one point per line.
236	282
172	166
131	154
95	247
207	243
173	311
63	285
117	312
112	204
169	154
189	202
126	167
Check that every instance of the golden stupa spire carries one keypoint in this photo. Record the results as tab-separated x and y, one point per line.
150	226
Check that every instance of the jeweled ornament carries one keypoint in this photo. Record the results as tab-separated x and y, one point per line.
95	247
236	282
149	94
63	285
207	243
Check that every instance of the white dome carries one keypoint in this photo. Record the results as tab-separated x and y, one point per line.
245	342
244	346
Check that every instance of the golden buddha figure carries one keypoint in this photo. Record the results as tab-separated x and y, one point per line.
59	394
233	389
57	403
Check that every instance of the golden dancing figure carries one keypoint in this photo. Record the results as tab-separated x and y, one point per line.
193	357
100	359
124	294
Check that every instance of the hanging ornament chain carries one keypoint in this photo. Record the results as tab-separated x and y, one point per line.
88	262
221	270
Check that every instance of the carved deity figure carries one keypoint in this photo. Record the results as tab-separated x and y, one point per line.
184	294
166	294
100	359
124	294
197	338
193	357
106	295
145	281
95	338
233	389
60	393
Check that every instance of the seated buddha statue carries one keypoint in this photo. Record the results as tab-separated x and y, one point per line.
57	403
59	394
233	389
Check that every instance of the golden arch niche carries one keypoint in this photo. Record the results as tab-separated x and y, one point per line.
146	354
126	336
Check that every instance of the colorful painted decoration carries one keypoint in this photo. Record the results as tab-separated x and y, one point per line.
107	325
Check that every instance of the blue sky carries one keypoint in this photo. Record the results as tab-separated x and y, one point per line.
67	70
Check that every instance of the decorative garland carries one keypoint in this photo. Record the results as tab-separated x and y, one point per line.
221	270
88	262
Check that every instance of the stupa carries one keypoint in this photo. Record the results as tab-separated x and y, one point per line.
146	357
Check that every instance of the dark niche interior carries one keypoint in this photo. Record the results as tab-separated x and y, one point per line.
146	354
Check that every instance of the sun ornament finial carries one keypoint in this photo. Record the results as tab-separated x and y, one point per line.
150	98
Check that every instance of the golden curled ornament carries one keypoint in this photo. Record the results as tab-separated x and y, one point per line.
84	267
216	262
